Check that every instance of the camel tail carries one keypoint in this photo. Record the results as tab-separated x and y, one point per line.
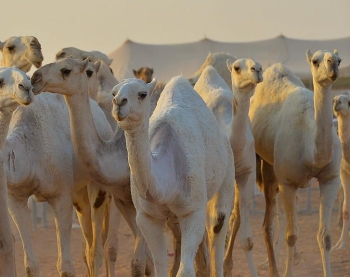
259	179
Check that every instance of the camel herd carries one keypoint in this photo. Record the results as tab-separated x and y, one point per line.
186	154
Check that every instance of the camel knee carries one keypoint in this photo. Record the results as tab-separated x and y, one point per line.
220	222
291	240
100	199
6	247
112	254
136	268
247	244
345	215
327	242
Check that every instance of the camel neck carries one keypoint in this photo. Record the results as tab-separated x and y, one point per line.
5	118
240	120
104	160
140	158
323	125
344	129
106	83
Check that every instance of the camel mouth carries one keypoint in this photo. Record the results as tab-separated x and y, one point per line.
37	64
26	100
36	90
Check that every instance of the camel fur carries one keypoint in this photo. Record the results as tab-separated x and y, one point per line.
21	52
76	53
144	73
181	164
294	136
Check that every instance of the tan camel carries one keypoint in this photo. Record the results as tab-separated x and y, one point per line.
218	61
105	161
341	108
76	53
22	52
231	111
15	90
294	136
181	164
144	73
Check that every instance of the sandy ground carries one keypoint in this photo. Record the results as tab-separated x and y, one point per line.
310	264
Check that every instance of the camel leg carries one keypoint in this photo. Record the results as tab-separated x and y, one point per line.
63	210
340	205
82	206
202	259
328	194
219	210
7	251
142	262
345	210
270	192
98	198
113	218
235	222
175	229
21	216
288	195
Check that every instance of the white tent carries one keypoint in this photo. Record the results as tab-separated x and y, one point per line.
175	59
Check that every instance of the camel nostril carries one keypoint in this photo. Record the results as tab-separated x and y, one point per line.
123	102
36	78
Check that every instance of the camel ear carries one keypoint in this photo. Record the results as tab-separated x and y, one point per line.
109	62
2	45
151	85
229	64
84	65
135	73
97	65
308	55
151	70
336	52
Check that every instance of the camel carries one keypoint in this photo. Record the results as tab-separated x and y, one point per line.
15	90
93	56
218	61
231	112
144	73
181	164
27	174
105	161
294	135
22	52
341	110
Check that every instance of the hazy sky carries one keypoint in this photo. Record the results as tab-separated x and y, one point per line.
104	24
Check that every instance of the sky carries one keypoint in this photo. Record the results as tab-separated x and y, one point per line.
104	25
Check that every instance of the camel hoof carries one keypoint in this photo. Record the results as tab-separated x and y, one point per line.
297	258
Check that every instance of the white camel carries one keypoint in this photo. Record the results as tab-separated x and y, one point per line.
341	108
231	112
15	90
294	136
105	161
76	53
218	61
22	52
41	161
181	164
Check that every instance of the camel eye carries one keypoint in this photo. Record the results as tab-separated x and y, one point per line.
339	62
11	48
65	72
315	62
142	95
2	83
236	68
89	73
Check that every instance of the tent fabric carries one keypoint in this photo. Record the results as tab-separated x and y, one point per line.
184	59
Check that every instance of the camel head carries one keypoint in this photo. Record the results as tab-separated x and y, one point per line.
76	53
245	73
66	76
15	88
324	66
131	102
144	73
341	105
21	52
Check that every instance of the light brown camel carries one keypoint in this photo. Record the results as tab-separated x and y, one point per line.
144	73
294	136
